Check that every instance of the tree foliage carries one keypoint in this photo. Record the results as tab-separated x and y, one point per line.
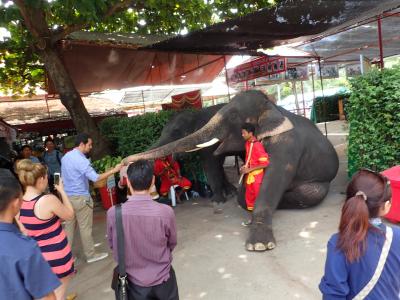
21	69
374	116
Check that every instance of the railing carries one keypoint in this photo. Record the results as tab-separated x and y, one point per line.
305	112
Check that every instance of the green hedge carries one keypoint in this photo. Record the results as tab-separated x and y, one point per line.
136	134
373	112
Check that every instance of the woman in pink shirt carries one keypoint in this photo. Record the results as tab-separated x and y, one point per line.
40	216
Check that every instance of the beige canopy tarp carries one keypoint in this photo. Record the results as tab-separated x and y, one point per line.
96	68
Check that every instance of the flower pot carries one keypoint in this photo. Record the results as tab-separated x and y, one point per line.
108	197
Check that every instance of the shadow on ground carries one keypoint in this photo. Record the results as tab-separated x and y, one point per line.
210	259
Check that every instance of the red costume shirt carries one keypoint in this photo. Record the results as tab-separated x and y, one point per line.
258	157
168	170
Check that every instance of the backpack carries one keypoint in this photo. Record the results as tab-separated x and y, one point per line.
57	156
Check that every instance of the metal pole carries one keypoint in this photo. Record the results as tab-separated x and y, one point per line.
323	96
144	107
313	89
313	83
296	99
278	89
304	102
380	42
226	78
47	105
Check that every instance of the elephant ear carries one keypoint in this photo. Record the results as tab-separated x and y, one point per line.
271	122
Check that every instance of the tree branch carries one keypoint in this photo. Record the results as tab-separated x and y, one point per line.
119	6
34	19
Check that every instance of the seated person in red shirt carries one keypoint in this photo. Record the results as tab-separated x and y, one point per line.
123	179
169	171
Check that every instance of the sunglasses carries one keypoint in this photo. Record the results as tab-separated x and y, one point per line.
385	180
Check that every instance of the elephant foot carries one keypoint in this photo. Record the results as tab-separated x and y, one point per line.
260	247
217	206
230	190
249	247
260	238
218	198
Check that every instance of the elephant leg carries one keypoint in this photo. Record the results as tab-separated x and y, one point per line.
241	199
213	167
275	182
228	188
261	237
305	195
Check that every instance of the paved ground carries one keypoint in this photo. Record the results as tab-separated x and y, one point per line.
210	260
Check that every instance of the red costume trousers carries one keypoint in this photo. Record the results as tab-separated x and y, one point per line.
166	184
252	190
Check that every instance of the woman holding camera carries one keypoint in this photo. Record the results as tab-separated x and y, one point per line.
40	216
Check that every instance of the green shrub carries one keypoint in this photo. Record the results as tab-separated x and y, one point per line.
373	112
191	167
136	134
107	162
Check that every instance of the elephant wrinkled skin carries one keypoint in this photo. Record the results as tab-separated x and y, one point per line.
302	160
184	123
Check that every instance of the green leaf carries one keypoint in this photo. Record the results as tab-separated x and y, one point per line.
21	64
373	114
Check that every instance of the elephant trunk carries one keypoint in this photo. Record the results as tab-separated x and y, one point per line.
210	134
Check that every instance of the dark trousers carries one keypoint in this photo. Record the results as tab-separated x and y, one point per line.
167	290
51	184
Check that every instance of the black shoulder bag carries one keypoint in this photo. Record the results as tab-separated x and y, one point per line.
120	278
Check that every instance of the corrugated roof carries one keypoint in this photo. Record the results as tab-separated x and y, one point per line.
291	21
163	94
348	45
20	112
128	40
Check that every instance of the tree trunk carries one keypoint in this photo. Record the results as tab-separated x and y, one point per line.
35	21
72	100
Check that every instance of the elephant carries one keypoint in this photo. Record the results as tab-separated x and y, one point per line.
186	122
302	160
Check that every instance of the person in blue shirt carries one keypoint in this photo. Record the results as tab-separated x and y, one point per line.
52	159
76	171
24	274
363	258
26	152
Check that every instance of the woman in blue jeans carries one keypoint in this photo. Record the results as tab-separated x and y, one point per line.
363	258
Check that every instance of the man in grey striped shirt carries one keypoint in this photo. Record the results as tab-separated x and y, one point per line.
150	237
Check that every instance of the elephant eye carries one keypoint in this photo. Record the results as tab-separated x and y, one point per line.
233	116
176	132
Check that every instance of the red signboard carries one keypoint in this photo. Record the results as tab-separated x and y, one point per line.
263	66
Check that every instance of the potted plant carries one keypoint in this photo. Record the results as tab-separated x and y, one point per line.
108	195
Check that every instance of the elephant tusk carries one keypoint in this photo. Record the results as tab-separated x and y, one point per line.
193	150
208	144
